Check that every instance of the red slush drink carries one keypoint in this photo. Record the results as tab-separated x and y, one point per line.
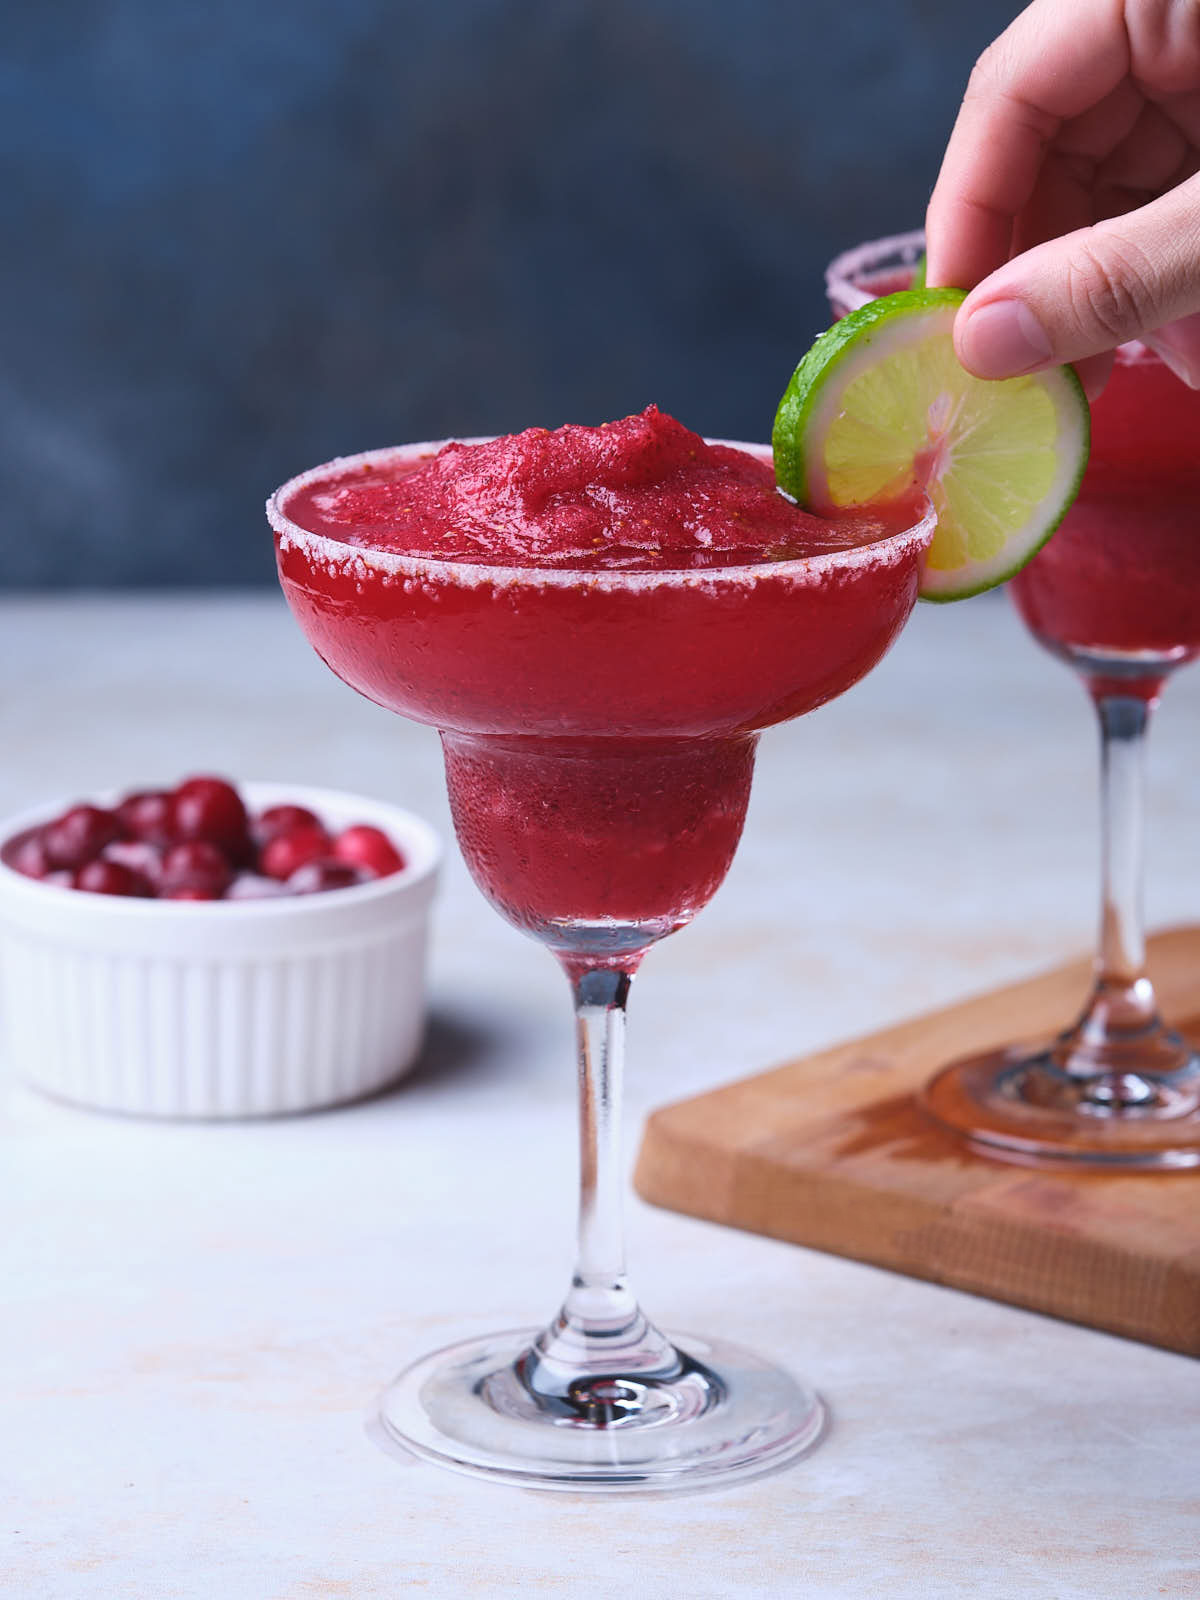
1122	572
599	621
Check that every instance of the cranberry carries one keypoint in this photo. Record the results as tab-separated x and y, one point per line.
110	877
210	809
282	855
369	849
195	865
79	835
281	819
137	854
315	876
27	854
147	815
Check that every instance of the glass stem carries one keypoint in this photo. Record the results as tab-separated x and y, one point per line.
600	1336
1120	1048
599	1282
1121	959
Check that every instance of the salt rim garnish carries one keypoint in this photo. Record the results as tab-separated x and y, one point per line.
361	562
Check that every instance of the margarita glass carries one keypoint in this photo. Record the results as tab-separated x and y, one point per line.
1115	595
599	729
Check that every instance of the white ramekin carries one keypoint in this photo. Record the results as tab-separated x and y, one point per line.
245	1009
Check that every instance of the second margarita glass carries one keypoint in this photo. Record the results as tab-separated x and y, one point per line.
1115	595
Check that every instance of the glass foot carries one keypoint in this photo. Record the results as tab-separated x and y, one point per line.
723	1416
1023	1106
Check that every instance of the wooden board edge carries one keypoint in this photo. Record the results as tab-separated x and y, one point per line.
936	1244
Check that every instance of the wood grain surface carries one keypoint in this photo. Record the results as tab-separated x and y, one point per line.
831	1151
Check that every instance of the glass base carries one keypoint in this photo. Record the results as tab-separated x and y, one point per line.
1022	1106
725	1417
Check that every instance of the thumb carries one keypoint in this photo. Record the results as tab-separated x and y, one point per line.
1091	290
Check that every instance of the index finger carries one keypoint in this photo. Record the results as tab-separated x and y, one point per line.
1051	64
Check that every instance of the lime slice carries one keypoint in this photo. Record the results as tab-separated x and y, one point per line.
880	405
917	280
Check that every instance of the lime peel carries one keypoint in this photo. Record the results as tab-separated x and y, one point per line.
880	406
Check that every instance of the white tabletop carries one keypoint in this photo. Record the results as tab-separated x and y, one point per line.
196	1317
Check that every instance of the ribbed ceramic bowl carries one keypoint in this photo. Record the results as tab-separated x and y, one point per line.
225	1009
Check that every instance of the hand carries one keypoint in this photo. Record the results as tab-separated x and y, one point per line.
1069	196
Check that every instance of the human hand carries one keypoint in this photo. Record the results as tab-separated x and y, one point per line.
1069	197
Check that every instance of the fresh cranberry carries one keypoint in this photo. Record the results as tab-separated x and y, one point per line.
139	855
79	835
281	819
286	852
315	876
147	815
110	877
210	809
369	849
195	865
27	854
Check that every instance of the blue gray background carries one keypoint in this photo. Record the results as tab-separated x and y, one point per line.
239	238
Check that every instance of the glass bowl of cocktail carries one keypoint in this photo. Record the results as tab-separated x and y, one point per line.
599	701
1116	596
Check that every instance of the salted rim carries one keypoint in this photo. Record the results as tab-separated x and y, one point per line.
905	250
471	574
900	250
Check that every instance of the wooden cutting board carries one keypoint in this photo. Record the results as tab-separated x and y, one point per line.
831	1151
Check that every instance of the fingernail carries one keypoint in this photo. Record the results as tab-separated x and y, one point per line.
1002	340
